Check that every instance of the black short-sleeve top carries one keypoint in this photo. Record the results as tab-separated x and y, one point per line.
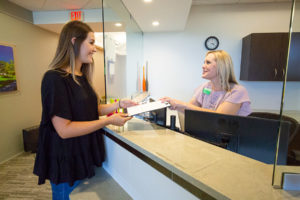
67	160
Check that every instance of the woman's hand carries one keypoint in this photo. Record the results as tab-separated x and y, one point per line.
175	104
119	119
104	109
125	103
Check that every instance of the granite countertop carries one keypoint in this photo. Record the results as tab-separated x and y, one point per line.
216	171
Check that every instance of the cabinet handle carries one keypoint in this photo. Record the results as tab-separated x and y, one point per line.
283	72
275	72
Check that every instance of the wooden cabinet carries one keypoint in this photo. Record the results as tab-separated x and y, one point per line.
294	59
264	57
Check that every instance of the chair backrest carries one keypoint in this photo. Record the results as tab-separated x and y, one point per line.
267	115
294	139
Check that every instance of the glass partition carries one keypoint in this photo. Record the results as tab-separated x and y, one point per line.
261	28
290	106
123	44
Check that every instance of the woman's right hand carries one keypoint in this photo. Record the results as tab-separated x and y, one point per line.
119	119
175	104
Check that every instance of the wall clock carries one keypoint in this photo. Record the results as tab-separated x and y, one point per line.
211	43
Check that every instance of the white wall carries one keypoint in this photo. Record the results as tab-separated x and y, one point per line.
116	64
175	58
134	60
140	180
116	82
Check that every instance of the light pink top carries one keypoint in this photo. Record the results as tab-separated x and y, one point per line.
238	94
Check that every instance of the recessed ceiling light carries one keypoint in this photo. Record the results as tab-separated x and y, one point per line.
147	1
118	24
155	23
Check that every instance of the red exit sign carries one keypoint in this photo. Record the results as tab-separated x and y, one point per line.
76	15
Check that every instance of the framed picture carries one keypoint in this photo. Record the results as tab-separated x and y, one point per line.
8	81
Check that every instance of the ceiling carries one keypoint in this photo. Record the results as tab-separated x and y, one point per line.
171	14
43	5
201	2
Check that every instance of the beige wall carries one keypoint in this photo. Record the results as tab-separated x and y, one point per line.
35	48
98	79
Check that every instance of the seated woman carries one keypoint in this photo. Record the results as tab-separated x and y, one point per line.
222	94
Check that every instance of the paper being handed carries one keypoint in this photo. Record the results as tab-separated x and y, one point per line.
146	107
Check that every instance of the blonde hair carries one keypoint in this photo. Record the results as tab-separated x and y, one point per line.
67	52
225	70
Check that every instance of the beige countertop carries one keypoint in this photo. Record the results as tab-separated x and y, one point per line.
218	172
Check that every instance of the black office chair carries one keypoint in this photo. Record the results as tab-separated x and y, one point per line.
294	136
294	148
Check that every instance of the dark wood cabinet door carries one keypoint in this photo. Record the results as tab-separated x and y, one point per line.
264	57
282	59
293	71
266	51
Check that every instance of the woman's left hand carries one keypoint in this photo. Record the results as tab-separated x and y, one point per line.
125	103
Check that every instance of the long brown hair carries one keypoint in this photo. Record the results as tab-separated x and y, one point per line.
66	51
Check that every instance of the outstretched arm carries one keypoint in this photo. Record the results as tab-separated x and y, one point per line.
104	109
68	129
224	108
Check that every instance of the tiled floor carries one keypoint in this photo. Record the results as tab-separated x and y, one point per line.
18	182
100	187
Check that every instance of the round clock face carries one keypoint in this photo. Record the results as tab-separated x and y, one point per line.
211	43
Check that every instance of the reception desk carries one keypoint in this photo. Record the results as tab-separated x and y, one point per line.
151	162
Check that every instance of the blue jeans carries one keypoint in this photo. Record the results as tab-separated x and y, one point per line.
62	190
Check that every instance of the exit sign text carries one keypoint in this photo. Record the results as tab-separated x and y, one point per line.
76	15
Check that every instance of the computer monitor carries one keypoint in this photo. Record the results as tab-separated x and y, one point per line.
249	136
159	116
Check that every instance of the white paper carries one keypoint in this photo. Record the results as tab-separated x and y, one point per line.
146	107
111	69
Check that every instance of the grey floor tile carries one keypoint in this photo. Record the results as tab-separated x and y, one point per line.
100	187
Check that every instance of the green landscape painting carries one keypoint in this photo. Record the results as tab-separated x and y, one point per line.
8	81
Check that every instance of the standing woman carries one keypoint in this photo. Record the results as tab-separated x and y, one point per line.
222	94
70	145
